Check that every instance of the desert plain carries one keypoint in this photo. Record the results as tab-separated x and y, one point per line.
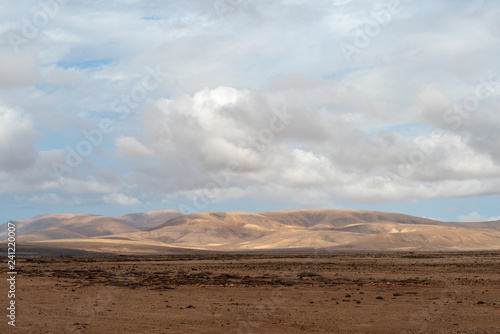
307	292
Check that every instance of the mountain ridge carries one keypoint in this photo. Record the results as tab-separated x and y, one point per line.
332	230
64	225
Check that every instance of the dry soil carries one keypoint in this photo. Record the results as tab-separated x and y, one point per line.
258	293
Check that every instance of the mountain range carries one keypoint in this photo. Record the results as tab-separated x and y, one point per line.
168	231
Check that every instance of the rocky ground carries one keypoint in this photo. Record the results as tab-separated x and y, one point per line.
283	293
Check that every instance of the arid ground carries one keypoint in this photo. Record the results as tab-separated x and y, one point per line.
259	293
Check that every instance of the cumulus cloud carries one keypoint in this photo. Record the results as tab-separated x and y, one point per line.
264	86
213	128
120	199
88	185
21	70
131	147
17	138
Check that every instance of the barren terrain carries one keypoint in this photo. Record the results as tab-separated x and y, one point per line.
259	293
168	231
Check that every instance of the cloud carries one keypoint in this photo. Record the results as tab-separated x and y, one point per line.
316	147
370	130
91	184
471	217
17	139
476	217
132	148
18	69
120	199
43	198
23	167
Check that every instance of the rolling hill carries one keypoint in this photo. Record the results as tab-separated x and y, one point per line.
65	226
332	230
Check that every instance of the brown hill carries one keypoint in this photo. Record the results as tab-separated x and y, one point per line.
64	226
296	229
146	220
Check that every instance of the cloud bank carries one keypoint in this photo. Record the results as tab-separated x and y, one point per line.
306	104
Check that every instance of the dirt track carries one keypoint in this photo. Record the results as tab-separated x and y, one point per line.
335	293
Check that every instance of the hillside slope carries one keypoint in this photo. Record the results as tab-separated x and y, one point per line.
348	230
64	226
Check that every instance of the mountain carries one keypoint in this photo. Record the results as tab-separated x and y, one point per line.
64	226
335	230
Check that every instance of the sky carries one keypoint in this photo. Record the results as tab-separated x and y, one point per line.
111	107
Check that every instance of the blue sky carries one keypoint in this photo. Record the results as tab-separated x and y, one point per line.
237	105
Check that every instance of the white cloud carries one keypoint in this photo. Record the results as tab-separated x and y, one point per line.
354	122
476	217
120	199
132	148
316	148
21	70
88	185
17	139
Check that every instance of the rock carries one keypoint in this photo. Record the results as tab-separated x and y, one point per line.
323	279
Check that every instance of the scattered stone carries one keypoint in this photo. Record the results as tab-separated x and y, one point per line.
165	286
323	279
396	294
347	295
480	302
379	297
